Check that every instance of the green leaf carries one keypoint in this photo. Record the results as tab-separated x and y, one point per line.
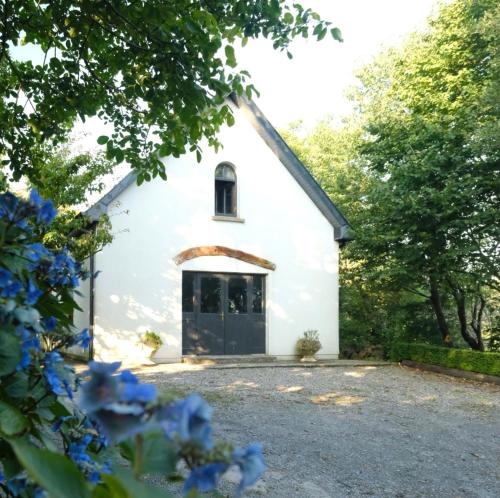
12	421
336	34
231	59
119	155
10	352
102	140
58	475
322	34
158	455
123	485
17	386
230	119
164	150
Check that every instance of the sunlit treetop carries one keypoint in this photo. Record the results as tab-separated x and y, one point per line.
157	70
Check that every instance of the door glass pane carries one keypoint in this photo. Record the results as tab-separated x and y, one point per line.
237	295
210	300
258	294
188	292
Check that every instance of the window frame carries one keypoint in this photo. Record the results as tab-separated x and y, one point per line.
228	183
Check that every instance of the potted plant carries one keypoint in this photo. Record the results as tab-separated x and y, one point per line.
151	342
308	345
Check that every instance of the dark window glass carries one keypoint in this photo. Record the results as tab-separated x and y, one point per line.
225	172
188	292
225	198
225	190
258	294
210	295
237	295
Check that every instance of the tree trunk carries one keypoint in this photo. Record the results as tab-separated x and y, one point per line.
474	341
437	306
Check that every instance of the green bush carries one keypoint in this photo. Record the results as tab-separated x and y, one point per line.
153	340
309	344
463	359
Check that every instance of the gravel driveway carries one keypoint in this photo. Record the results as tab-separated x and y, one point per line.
351	432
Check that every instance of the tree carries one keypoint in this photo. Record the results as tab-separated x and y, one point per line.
158	71
69	180
372	313
435	207
416	171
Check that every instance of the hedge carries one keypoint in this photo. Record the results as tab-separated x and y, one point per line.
462	359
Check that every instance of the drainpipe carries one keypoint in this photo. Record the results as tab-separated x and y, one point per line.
91	306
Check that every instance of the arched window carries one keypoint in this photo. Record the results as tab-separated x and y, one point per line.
225	190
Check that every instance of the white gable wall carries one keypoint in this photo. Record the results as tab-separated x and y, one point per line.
139	288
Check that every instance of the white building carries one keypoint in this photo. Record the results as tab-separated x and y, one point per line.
236	255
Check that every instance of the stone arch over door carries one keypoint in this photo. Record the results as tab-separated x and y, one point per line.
199	251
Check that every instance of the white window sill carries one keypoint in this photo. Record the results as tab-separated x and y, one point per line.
233	219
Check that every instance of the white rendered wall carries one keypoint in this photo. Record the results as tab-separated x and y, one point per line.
81	318
139	287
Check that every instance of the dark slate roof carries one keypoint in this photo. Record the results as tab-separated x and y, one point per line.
101	206
295	167
273	139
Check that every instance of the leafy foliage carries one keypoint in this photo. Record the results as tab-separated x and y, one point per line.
416	170
69	179
158	71
309	344
153	340
463	359
117	420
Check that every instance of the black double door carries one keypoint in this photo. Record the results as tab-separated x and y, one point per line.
223	313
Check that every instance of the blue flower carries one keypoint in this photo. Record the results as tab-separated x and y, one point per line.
63	270
40	493
54	375
188	420
77	452
137	393
83	339
251	463
94	477
37	253
9	286
32	293
128	377
116	402
102	388
204	478
119	422
49	323
35	198
56	426
8	206
16	485
47	213
29	342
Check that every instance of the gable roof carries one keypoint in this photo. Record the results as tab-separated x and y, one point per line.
342	230
295	167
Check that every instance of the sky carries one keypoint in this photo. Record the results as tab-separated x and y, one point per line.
313	84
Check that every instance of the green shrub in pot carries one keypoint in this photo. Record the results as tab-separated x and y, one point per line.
308	345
